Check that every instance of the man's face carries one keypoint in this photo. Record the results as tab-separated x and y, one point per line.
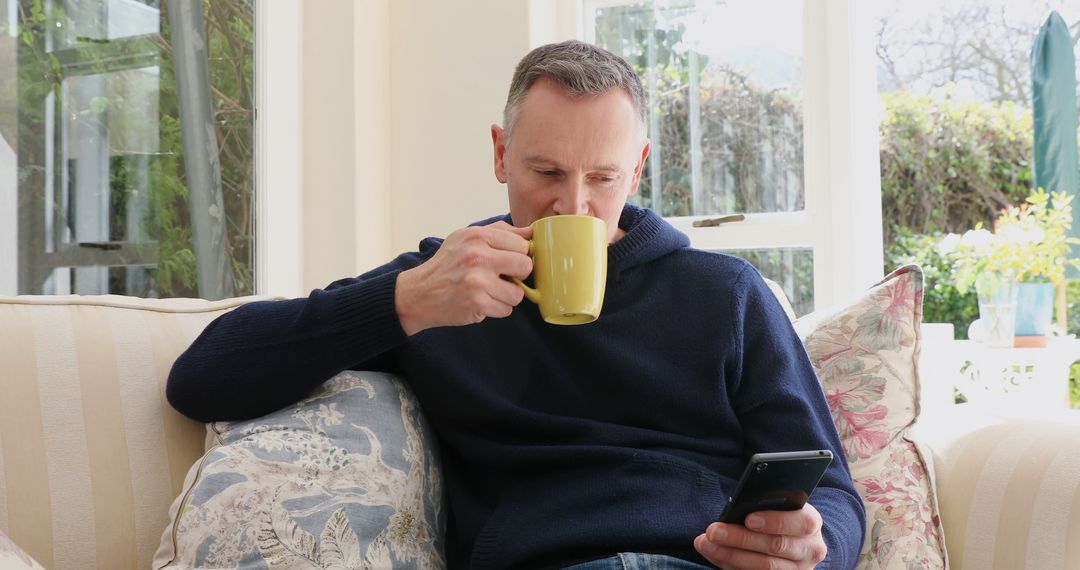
580	155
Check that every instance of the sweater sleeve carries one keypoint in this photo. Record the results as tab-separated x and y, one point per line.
265	355
781	407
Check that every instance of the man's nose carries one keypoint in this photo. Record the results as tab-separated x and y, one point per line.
573	199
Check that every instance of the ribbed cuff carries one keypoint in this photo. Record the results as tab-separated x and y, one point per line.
841	530
367	317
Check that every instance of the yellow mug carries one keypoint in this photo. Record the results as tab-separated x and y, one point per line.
569	268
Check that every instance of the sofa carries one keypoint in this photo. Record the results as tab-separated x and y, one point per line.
98	471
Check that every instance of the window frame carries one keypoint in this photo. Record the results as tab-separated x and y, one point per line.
841	222
279	84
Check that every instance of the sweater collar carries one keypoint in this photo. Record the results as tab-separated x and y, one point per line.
648	237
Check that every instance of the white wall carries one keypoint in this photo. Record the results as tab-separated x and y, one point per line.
371	86
451	64
399	97
329	184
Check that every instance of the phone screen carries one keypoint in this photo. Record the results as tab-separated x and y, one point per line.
776	482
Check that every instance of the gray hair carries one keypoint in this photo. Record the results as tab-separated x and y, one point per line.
580	69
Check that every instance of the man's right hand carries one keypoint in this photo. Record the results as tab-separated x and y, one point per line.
463	282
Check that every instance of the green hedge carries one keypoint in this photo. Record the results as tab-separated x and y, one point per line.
942	303
946	165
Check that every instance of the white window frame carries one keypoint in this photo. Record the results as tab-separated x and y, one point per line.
279	153
842	220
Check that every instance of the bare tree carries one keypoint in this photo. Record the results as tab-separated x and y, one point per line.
982	47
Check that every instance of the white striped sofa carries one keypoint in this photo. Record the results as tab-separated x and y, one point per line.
1008	487
91	455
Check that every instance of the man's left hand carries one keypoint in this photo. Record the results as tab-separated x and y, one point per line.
770	539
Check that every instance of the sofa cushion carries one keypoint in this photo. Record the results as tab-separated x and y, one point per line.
346	478
91	454
866	355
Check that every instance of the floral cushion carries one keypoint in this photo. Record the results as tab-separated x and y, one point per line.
866	354
342	479
13	558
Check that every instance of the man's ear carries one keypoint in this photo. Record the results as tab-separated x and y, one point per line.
640	167
498	140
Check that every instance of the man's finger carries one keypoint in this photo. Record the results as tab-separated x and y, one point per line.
735	559
511	263
803	522
507	293
776	545
524	234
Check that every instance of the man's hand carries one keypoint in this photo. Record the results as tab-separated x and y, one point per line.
771	539
463	282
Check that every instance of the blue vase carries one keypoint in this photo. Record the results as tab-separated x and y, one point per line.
1034	310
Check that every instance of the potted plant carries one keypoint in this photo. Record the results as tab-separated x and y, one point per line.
1016	267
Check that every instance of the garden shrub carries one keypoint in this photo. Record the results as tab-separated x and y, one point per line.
945	166
942	303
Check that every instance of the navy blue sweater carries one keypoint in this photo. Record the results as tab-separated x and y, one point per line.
562	443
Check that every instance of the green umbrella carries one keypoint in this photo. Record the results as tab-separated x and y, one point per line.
1053	94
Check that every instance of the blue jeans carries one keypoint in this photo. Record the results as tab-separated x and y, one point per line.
636	561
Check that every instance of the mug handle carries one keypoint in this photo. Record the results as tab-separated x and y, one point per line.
530	293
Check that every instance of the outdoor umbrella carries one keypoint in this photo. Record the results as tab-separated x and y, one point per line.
1053	95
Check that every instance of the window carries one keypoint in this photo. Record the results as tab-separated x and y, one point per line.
955	84
127	148
756	110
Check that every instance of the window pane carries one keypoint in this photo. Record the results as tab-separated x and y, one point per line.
99	99
793	269
725	101
80	22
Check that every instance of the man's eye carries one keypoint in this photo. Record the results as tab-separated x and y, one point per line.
548	172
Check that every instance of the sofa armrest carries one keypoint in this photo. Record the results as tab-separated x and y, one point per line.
1008	486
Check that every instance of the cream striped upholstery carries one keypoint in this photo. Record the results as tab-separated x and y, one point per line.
1009	489
91	454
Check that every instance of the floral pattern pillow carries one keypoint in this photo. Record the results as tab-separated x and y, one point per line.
13	558
866	355
346	478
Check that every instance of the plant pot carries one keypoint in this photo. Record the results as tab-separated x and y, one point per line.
1034	313
997	311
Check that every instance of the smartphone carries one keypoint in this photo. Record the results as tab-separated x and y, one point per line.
776	482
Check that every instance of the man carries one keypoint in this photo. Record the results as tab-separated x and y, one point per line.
564	445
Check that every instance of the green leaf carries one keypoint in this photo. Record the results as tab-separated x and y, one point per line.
99	104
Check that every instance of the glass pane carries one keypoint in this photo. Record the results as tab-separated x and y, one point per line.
725	99
792	268
109	140
82	22
98	103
